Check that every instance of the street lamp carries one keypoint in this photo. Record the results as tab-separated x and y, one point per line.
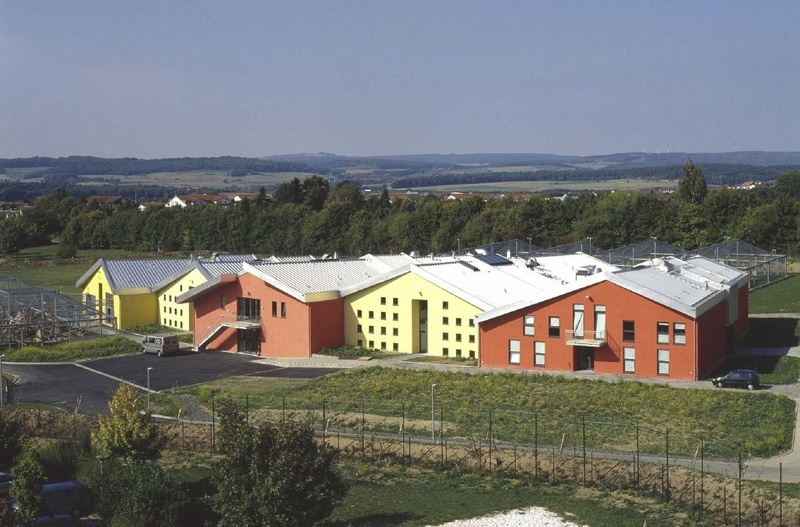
2	383
590	245
148	387
459	244
433	412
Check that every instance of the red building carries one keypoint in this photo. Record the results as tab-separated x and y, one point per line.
674	319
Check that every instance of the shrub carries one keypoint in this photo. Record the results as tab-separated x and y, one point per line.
67	352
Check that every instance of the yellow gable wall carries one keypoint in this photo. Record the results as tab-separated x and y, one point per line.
170	312
450	328
136	310
97	289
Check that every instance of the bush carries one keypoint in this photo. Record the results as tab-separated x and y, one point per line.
61	459
68	352
12	438
345	352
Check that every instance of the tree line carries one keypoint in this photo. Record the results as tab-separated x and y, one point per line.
313	217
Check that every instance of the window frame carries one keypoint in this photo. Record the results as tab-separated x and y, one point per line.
662	363
628	357
539	355
676	333
528	330
514	353
662	337
554	327
629	334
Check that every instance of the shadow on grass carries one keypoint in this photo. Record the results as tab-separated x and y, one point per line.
376	520
768	332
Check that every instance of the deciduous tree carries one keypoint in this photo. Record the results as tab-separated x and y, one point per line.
129	432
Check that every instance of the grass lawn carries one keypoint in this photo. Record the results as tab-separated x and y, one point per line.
468	403
781	297
72	351
58	277
453	361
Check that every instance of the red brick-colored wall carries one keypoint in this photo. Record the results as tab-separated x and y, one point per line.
712	338
743	322
621	305
291	335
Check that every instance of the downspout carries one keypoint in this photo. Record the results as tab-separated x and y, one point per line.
696	353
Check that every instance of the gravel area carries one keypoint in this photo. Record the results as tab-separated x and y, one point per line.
532	517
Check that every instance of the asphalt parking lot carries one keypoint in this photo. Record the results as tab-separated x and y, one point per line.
88	385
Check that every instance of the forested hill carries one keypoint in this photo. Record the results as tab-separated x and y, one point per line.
86	165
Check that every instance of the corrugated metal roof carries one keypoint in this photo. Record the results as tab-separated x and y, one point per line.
128	274
317	276
221	258
220	268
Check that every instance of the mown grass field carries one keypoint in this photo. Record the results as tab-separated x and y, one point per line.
72	351
780	297
518	407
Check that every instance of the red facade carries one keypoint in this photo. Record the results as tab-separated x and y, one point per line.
286	327
642	338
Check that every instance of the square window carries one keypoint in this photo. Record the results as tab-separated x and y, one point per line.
628	331
358	313
527	325
395	302
395	317
679	333
383	300
458	353
445	352
472	339
554	327
445	305
458	322
383	315
371	344
471	323
395	332
629	360
394	347
445	336
383	346
663	362
358	328
662	332
359	343
445	321
371	314
458	337
538	353
283	309
383	331
471	354
372	329
513	352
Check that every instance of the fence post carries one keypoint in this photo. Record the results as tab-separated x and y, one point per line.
702	476
739	520
247	409
666	494
780	494
536	446
283	409
324	420
490	439
362	430
213	418
583	426
638	475
403	435
725	505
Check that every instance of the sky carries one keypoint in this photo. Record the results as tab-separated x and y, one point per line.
154	79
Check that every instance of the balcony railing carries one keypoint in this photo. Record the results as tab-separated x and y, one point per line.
586	338
248	318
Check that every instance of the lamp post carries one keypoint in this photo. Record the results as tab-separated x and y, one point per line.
433	412
590	245
148	387
2	383
459	244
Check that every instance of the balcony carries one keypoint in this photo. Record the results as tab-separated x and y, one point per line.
590	339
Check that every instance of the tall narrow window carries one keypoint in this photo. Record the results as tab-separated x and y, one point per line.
283	309
663	362
527	325
222	301
629	360
662	332
679	333
577	321
274	309
628	333
538	353
600	322
554	327
513	352
445	305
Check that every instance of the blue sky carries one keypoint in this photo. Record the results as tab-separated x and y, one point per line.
178	78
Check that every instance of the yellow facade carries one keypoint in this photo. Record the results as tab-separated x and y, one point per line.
127	310
170	312
409	314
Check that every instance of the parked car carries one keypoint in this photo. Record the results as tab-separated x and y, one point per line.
738	379
161	344
65	498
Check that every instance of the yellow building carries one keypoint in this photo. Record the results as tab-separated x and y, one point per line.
138	292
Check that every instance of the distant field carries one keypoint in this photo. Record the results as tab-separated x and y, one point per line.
18	173
202	178
540	186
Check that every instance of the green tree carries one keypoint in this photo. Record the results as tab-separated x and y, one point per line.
692	187
789	184
140	494
26	489
12	438
276	474
315	192
289	192
13	237
129	432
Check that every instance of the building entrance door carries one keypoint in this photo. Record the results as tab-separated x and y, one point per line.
584	358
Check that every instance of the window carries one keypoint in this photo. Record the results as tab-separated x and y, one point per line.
458	353
383	315
383	346
165	297
472	339
445	351
170	311
554	327
513	352
358	328
471	323
395	317
662	332
371	344
274	309
445	321
283	309
395	302
371	314
383	331
445	336
181	288
458	322
663	362
395	332
527	325
458	337
372	329
359	343
395	347
383	300
679	333
628	332
170	298
471	354
445	305
165	309
358	313
538	353
222	301
628	360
